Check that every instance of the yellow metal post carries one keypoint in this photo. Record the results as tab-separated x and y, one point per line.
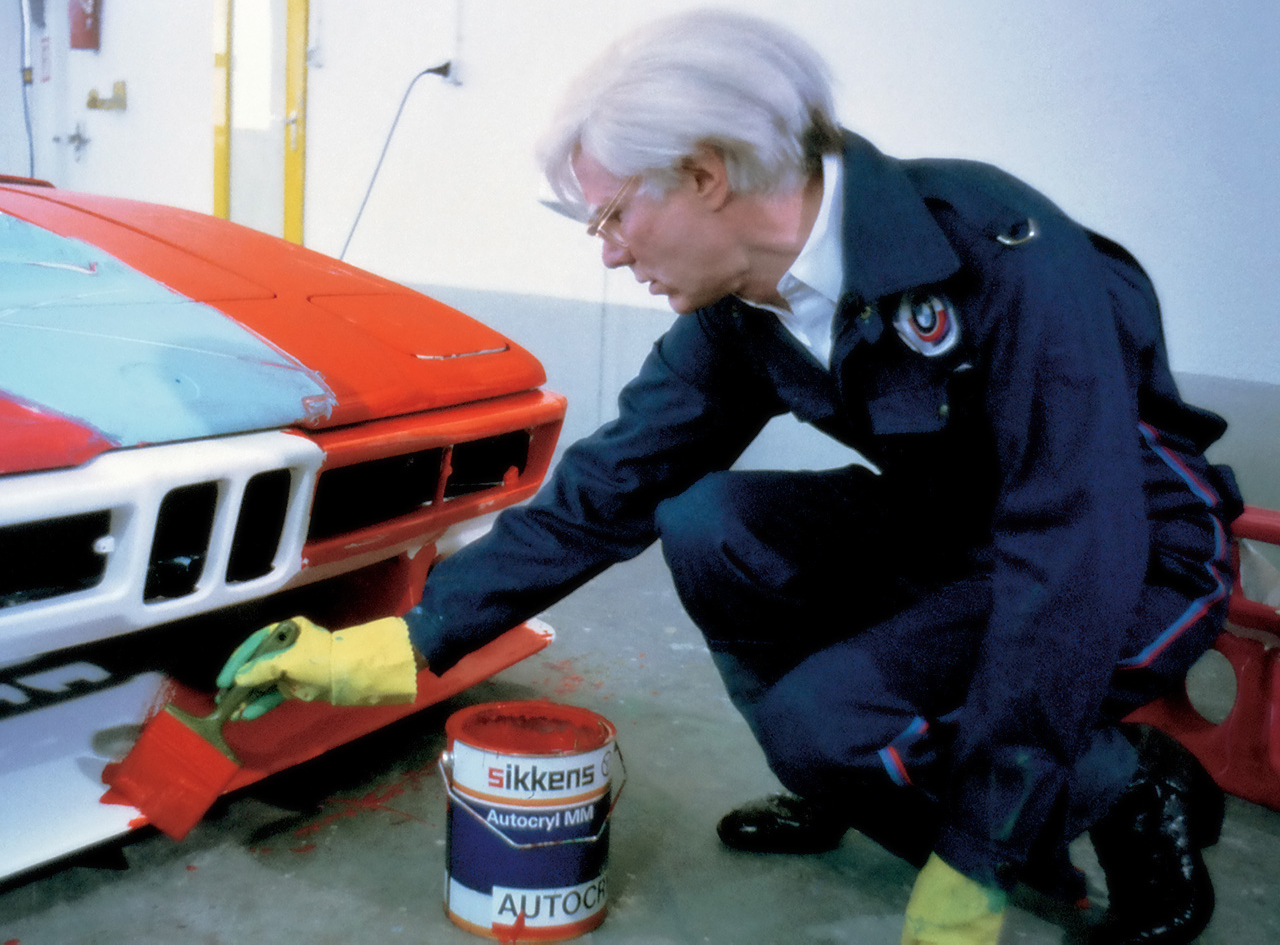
222	109
295	129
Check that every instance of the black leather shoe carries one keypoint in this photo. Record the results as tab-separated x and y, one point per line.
781	823
1149	847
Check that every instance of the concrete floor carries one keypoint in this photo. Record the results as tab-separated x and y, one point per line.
350	848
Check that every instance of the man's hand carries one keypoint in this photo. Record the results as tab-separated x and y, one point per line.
368	664
949	908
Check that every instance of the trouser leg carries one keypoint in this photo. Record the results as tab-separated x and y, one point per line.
881	703
775	567
863	723
847	642
868	724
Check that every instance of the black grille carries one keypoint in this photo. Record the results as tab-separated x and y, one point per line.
354	497
482	464
260	526
51	557
181	541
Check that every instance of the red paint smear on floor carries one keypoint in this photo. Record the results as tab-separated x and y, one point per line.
569	680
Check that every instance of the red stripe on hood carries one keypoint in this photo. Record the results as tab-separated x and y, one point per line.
35	438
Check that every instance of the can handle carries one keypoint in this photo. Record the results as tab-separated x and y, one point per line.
445	764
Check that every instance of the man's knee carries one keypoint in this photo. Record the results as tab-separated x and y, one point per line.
694	524
713	544
733	582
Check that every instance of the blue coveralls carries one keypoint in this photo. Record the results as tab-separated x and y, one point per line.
1043	548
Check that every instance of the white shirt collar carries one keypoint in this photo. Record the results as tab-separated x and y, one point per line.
812	285
819	265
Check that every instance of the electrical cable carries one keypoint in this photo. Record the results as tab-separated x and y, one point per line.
440	70
26	85
31	141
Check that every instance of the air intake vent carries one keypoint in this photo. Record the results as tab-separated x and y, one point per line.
181	542
260	526
51	557
354	497
483	464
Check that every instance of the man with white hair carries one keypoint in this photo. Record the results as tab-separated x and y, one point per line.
937	651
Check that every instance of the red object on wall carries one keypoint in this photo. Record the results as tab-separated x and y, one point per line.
1242	753
86	23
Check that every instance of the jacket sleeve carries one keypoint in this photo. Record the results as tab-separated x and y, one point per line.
693	408
1068	550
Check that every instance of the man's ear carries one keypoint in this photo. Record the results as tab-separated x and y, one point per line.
706	168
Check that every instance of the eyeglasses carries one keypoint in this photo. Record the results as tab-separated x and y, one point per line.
605	220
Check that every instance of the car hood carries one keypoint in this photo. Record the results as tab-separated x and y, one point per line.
125	323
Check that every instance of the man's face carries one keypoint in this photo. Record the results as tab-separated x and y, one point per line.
678	244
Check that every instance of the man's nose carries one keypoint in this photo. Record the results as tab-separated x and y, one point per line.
613	255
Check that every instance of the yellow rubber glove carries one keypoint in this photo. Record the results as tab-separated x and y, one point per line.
949	908
368	664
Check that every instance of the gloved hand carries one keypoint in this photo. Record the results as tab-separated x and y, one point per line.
368	664
949	908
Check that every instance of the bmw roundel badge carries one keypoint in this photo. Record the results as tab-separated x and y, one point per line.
928	324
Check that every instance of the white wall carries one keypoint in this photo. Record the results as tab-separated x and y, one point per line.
160	147
1152	122
13	137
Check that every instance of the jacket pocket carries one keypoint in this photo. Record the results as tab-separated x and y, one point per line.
916	408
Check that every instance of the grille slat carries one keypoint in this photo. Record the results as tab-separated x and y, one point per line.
364	494
137	537
181	541
260	526
49	558
484	464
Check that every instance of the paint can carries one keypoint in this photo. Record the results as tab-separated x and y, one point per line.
530	797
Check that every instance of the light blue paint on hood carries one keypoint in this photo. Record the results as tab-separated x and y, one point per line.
88	336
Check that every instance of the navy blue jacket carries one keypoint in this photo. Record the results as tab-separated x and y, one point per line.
1023	449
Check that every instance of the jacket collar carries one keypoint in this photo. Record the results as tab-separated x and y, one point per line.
891	241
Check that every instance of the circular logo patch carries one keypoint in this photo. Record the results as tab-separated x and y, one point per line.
928	324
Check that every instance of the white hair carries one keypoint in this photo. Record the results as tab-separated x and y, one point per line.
751	90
